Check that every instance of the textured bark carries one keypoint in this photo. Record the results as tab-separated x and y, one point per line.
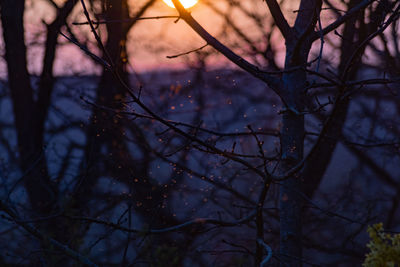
298	47
292	137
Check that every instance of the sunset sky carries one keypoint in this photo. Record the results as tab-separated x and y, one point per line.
150	41
185	3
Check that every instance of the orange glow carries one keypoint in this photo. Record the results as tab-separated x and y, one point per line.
185	3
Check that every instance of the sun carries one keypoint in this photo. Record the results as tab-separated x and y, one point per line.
185	3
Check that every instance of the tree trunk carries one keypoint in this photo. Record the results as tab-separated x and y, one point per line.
292	139
42	194
354	33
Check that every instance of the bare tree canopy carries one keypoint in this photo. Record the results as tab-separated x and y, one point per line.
199	133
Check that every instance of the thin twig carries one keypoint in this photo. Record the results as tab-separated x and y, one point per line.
189	52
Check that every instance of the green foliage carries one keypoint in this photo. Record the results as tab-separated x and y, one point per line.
384	248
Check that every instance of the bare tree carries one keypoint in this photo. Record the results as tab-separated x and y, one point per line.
291	87
160	173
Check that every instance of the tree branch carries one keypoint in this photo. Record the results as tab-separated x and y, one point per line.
342	19
279	18
47	240
272	82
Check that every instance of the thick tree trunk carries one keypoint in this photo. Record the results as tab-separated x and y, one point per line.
42	194
104	128
298	47
107	151
292	139
354	33
30	115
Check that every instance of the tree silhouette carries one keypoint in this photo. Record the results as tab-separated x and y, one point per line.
159	170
